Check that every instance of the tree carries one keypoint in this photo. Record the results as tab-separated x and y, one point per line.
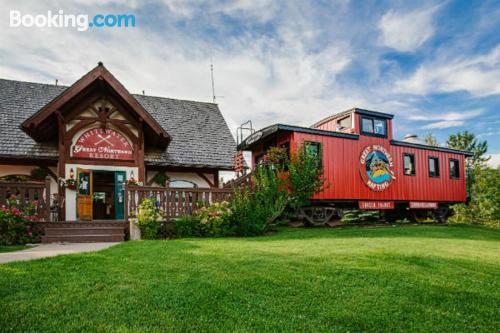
431	140
467	141
277	183
484	207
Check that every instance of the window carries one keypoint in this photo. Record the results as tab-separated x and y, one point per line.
409	164
345	122
182	184
315	149
373	126
454	169
433	167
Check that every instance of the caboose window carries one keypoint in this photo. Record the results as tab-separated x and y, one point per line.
373	126
454	169
314	148
409	164
433	167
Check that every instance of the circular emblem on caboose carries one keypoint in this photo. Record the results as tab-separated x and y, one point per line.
375	167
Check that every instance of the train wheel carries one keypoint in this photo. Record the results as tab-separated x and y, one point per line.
317	215
441	214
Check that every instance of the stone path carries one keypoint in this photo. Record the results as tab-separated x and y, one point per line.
52	250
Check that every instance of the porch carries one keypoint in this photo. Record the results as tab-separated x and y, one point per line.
173	202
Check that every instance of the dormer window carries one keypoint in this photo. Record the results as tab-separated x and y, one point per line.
373	126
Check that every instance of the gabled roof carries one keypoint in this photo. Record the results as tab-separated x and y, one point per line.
200	137
99	73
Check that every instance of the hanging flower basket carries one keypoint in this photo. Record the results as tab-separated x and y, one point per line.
70	184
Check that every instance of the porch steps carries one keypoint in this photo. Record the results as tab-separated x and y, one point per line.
84	232
83	238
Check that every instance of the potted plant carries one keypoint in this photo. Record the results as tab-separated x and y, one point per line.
70	184
161	179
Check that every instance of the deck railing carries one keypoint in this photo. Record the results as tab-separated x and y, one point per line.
173	201
26	193
240	182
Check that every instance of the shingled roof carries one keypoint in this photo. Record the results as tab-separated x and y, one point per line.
199	134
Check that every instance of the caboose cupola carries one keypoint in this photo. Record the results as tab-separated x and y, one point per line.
359	121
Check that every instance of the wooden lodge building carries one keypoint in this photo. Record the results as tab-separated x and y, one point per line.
94	136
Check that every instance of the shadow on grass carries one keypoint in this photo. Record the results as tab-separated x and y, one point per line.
465	232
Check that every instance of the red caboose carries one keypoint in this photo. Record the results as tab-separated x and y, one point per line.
366	168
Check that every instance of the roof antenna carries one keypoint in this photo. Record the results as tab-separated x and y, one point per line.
212	76
57	81
143	92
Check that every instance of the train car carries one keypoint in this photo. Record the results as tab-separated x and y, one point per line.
366	168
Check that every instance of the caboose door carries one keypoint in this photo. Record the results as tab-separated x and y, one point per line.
84	200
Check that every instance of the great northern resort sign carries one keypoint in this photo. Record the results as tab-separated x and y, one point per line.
376	167
105	144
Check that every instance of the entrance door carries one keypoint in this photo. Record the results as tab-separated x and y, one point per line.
84	195
120	177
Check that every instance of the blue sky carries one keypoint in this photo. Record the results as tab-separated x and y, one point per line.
435	65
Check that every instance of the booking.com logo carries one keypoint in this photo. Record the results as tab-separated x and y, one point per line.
81	22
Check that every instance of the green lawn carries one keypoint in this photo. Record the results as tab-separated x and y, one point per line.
12	248
429	278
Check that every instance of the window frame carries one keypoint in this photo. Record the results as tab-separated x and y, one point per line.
438	169
320	150
412	155
362	131
457	166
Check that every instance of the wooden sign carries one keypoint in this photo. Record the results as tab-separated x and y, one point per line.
423	205
376	204
105	144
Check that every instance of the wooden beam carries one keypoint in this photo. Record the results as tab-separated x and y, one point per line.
202	175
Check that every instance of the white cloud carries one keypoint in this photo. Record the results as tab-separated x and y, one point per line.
407	31
494	160
477	75
266	79
446	120
444	124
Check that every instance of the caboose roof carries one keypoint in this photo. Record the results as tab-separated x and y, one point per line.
268	131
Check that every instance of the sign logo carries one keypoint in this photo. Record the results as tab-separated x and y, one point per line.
375	167
102	144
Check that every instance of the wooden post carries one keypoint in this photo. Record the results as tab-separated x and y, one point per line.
47	198
126	193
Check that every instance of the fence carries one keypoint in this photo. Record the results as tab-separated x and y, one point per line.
241	182
27	192
173	201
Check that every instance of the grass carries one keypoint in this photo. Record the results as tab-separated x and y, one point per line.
12	248
427	279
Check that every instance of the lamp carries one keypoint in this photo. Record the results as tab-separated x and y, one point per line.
132	175
71	173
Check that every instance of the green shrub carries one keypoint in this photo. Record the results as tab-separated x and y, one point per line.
357	216
149	219
214	220
206	221
18	225
253	210
249	217
186	226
